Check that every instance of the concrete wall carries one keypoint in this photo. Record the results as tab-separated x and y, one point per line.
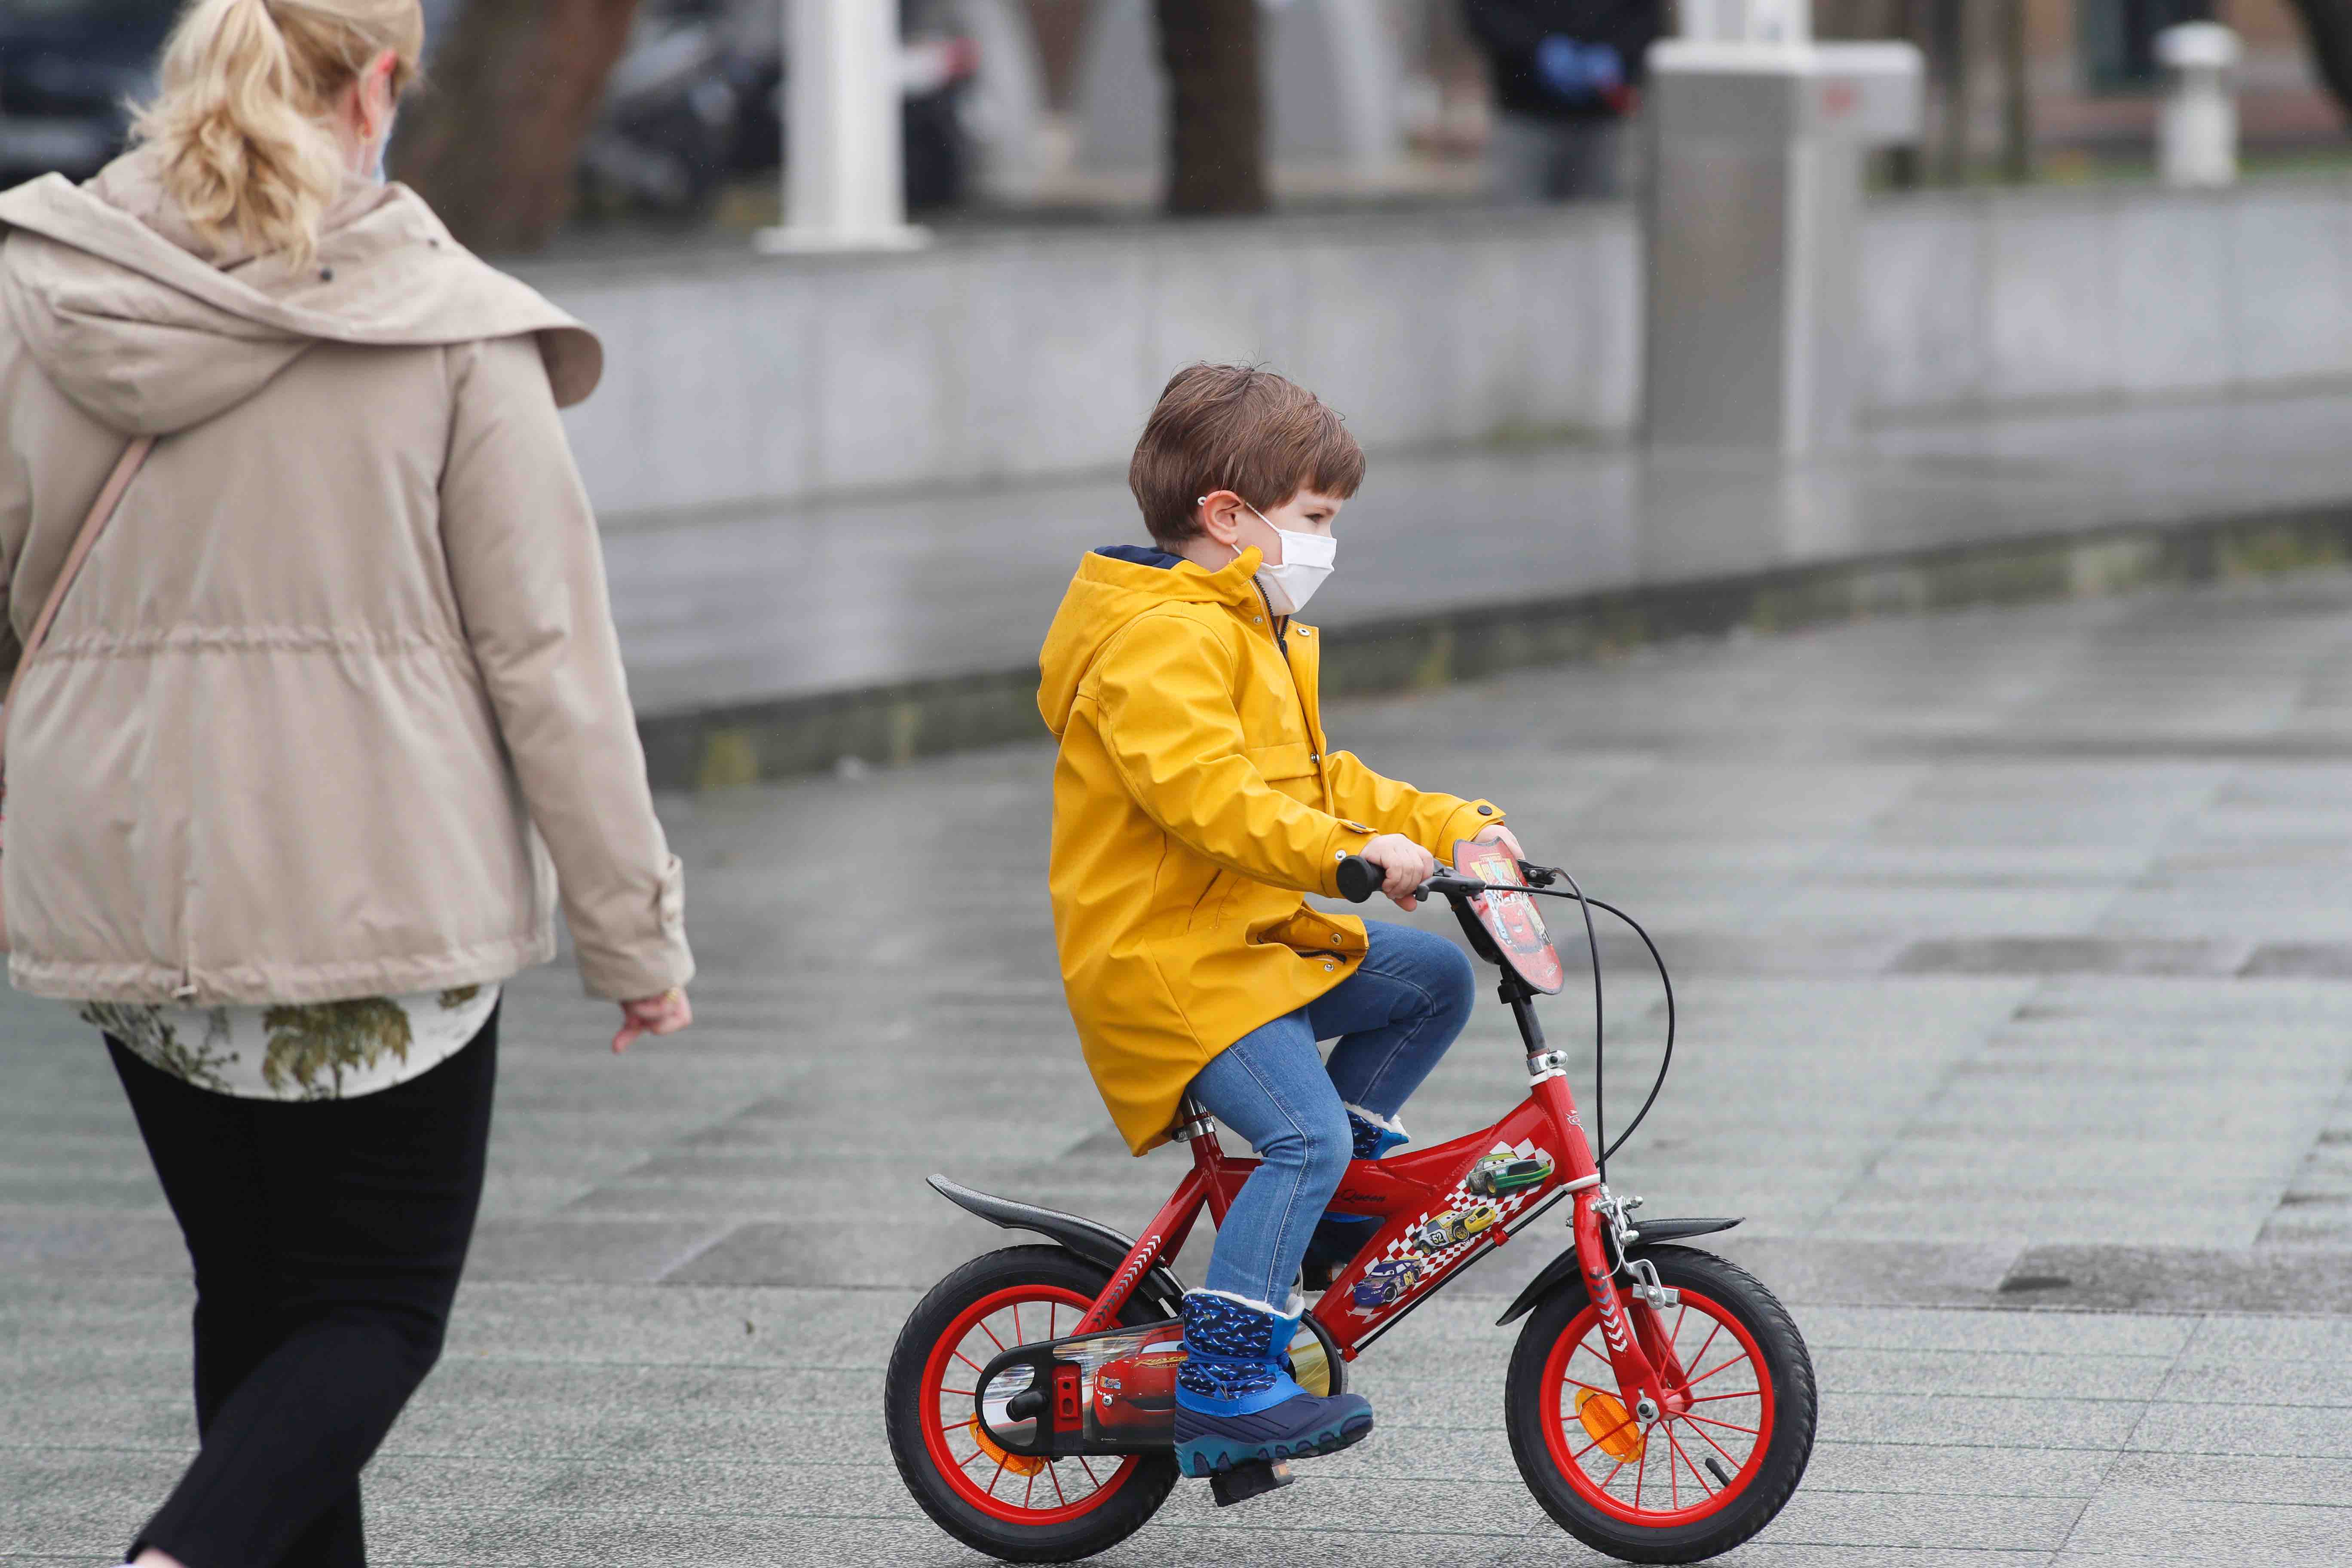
735	380
1012	356
1980	300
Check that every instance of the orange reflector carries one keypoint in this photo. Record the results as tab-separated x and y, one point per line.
1018	1464
1606	1423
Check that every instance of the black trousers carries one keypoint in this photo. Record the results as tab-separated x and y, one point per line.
328	1237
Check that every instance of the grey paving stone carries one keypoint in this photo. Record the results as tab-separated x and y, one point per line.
2180	1280
2151	1520
2067	955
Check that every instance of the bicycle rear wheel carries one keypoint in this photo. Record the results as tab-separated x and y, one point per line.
1012	1508
1714	1468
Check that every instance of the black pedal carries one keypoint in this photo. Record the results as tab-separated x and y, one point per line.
1243	1483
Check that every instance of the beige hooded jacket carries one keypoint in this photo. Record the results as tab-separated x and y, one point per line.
346	641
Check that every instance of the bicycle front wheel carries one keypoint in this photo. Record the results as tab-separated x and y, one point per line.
1713	1469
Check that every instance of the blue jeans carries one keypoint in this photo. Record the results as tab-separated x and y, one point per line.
1394	1018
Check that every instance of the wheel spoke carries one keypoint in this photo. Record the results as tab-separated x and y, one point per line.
1054	1474
1724	1424
1727	1366
1711	1398
1030	1490
1703	1490
1090	1471
1640	1468
1737	1466
970	1363
996	1477
1701	1357
999	1344
1016	1325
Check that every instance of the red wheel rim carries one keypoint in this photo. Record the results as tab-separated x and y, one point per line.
1063	1489
1727	1419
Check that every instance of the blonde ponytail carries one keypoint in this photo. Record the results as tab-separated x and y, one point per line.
244	117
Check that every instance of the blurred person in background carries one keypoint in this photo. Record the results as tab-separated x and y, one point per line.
1567	78
336	680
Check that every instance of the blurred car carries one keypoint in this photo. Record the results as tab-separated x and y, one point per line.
1457	1225
1498	1174
1139	1390
1385	1282
69	70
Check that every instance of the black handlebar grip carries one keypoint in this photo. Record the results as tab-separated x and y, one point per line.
1359	878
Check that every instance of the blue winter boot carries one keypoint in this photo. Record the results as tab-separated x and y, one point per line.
1235	1402
1340	1237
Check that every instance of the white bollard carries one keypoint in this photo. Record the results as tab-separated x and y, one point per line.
2197	136
843	161
1748	21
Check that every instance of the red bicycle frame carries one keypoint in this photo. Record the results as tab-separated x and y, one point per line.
1432	1230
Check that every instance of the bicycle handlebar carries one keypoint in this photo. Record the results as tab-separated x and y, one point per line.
1359	880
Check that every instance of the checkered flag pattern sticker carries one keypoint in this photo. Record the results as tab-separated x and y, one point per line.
1437	1238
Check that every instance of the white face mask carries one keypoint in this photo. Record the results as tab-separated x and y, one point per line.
1306	560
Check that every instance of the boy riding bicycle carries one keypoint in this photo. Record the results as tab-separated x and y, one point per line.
1196	800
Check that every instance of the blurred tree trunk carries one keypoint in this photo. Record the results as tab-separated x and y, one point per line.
2016	92
493	141
1947	63
1216	117
2329	25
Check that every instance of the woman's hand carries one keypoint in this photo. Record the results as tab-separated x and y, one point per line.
1405	865
664	1014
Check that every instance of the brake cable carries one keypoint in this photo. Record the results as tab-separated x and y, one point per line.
1538	878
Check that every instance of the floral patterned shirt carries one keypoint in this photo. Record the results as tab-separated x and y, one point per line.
319	1050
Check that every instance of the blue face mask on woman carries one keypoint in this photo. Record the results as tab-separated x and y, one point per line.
384	146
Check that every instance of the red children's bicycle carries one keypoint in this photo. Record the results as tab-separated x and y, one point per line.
1660	1402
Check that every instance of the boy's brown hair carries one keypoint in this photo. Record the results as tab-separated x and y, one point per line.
1232	428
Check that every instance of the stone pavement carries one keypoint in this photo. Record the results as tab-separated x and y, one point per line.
2016	968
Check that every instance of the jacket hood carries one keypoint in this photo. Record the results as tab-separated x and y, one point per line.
1112	587
150	329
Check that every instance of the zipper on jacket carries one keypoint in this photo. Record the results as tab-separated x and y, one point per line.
1306	718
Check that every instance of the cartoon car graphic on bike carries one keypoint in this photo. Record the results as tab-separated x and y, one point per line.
1138	1390
1455	1225
1386	1280
1498	1175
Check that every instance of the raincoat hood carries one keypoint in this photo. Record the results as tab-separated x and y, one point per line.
150	329
1113	586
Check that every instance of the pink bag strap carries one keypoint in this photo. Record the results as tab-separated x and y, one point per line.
101	511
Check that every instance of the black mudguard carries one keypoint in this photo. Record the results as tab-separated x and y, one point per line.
1564	1270
1094	1242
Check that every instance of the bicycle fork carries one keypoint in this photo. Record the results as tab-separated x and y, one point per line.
1640	1351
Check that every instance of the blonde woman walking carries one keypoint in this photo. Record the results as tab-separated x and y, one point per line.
336	683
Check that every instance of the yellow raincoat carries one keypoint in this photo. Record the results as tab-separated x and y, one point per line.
1194	801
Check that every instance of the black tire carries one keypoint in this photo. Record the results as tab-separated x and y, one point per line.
905	1397
1788	1447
